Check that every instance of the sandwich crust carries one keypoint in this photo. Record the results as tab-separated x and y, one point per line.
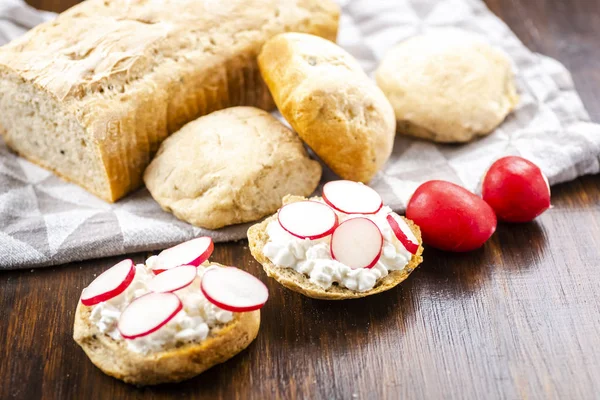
298	282
170	365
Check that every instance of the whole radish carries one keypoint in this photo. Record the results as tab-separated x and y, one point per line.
516	189
450	217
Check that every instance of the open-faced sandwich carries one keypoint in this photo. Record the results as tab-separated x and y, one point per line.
344	245
170	319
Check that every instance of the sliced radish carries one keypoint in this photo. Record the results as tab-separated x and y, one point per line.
234	290
403	233
357	243
193	252
147	314
109	284
173	279
352	197
308	219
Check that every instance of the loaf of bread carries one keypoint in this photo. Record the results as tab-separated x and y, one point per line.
323	93
231	166
92	94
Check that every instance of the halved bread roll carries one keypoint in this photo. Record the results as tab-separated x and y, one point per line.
170	365
298	282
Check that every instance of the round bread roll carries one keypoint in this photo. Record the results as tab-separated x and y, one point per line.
448	86
330	102
170	365
231	166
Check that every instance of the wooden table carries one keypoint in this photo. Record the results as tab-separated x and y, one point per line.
519	318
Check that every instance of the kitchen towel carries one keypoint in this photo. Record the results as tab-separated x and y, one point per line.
46	221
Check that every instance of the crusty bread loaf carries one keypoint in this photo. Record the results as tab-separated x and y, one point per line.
298	282
231	166
92	94
172	365
330	102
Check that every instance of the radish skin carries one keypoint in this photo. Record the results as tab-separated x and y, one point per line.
450	217
516	189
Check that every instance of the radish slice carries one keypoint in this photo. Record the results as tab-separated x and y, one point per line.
307	219
352	197
173	279
357	243
403	233
109	284
193	252
147	314
234	290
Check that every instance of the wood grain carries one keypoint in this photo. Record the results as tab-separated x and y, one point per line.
519	318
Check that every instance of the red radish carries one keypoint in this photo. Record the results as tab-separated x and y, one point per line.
308	219
193	252
232	289
450	217
109	284
147	314
173	279
352	197
516	189
357	243
403	232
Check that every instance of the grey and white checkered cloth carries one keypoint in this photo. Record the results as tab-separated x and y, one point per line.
46	221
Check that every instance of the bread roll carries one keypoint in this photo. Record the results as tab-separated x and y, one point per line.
231	166
330	102
448	86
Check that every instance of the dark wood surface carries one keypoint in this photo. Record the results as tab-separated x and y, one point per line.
519	318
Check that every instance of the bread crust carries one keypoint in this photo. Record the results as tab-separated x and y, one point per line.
298	282
132	73
323	93
172	365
